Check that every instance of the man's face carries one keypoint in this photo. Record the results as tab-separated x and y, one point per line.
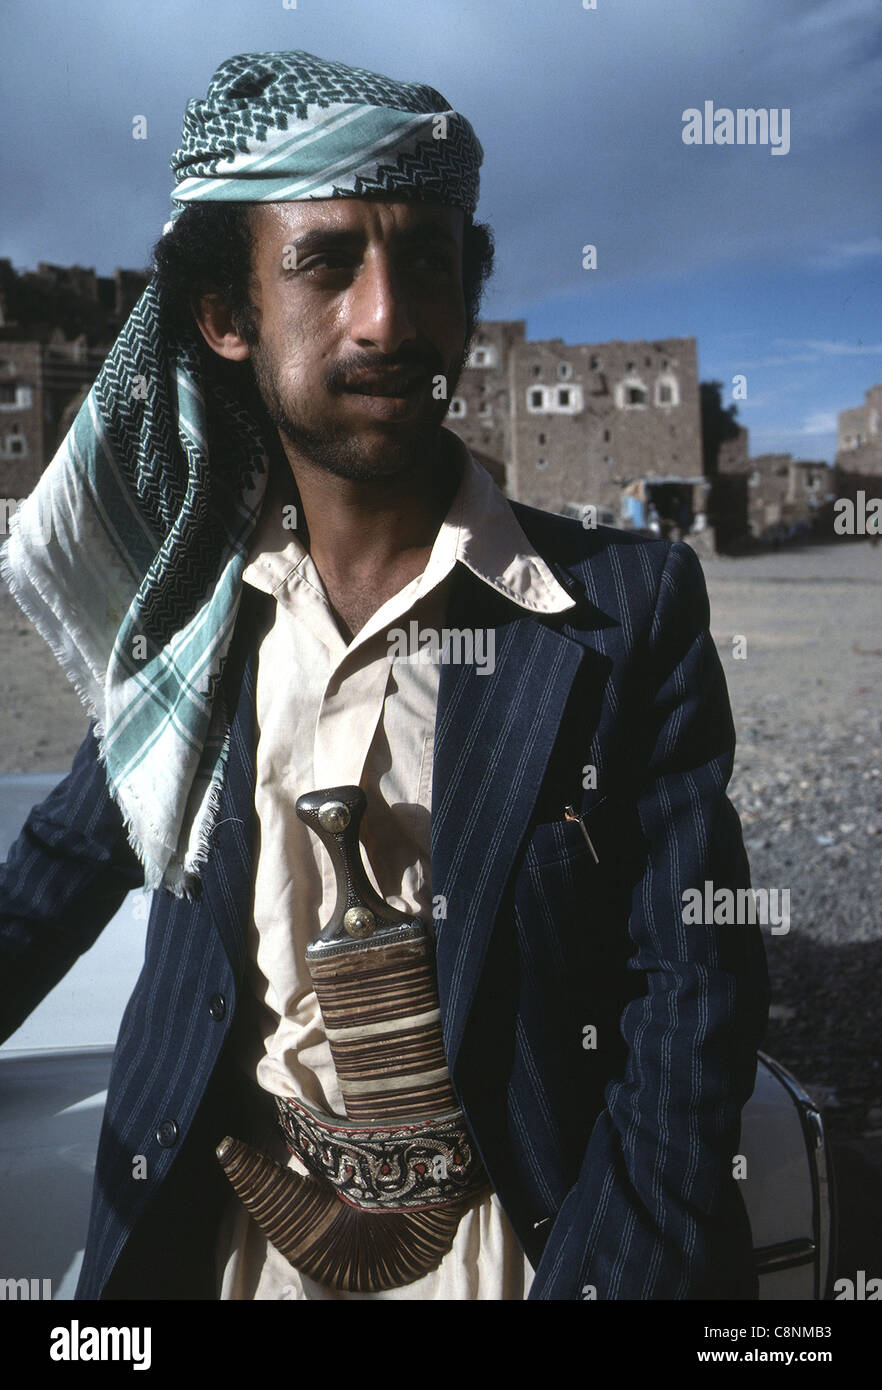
360	310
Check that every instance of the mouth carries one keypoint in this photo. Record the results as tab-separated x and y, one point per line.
396	385
389	397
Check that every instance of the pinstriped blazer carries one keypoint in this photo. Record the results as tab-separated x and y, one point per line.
601	1049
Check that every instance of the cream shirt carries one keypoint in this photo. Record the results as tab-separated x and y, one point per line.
330	713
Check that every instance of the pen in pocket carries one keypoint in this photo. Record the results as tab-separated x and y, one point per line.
570	814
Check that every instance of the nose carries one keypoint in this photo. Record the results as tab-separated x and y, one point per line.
381	311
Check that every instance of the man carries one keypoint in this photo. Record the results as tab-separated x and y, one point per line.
225	591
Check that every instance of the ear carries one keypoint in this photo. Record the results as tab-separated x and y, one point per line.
215	320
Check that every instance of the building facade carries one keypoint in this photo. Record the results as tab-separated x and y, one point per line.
579	424
781	494
56	325
859	456
859	447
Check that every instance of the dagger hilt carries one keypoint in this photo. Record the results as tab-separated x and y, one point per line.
360	914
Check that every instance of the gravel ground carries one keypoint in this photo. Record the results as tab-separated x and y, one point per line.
808	787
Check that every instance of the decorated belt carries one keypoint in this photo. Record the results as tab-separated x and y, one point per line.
389	1182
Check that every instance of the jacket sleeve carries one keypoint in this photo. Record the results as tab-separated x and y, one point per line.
656	1213
64	879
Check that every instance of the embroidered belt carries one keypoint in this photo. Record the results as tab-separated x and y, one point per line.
397	1168
390	1182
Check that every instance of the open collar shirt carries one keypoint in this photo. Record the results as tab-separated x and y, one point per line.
332	712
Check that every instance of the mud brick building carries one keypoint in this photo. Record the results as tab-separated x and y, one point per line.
579	424
859	455
56	325
780	493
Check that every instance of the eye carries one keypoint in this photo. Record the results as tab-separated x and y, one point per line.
324	260
435	261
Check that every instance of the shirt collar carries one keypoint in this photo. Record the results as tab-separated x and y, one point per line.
480	530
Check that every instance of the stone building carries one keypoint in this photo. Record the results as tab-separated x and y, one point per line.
859	447
56	325
859	455
480	412
781	494
578	424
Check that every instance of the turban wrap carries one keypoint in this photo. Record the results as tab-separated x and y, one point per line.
128	555
288	126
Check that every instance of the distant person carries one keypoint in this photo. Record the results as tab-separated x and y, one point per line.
257	493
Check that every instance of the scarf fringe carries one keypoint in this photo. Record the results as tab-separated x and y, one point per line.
180	880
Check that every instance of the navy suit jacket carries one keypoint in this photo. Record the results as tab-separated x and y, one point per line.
611	1151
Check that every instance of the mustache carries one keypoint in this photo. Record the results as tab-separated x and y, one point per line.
381	372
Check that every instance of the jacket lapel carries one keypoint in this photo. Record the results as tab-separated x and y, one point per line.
227	881
494	734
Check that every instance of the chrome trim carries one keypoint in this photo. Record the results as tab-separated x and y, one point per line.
821	1168
786	1255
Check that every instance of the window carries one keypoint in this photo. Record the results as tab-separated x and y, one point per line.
542	463
563	400
537	370
631	393
564	371
15	444
630	367
667	390
542	439
606	436
482	357
458	407
7	393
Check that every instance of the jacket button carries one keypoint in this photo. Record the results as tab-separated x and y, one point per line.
167	1133
217	1007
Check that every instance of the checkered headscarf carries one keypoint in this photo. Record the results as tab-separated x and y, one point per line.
128	555
289	126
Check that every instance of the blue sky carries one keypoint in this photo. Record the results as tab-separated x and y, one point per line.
774	263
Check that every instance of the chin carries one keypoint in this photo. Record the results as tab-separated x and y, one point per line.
375	451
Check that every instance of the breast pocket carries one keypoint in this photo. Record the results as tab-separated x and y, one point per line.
559	840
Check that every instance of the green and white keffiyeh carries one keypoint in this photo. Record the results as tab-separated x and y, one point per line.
295	126
128	555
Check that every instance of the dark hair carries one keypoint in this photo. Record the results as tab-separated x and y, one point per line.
209	247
